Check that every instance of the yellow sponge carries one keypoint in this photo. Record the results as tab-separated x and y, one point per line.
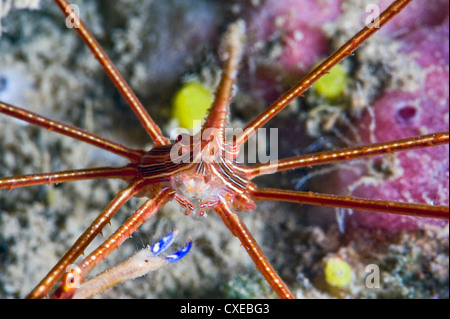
332	85
191	102
338	273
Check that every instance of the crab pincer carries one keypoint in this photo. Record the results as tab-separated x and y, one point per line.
142	262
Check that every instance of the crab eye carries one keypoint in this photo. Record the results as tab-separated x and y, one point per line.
179	138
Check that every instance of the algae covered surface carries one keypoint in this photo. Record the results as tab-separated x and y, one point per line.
157	45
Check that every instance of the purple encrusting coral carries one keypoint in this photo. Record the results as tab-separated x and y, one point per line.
301	37
421	176
294	37
285	41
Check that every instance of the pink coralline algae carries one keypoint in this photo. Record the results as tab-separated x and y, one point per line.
421	175
297	24
291	34
287	39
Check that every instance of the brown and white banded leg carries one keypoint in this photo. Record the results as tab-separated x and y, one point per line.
147	210
44	287
319	71
147	122
238	228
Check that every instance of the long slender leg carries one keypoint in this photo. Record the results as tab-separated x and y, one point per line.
147	210
149	125
126	173
420	210
349	153
238	228
44	287
319	71
78	134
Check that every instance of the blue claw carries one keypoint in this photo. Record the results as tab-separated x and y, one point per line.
180	254
164	243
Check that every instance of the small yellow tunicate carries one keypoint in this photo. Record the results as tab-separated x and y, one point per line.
191	102
338	273
332	85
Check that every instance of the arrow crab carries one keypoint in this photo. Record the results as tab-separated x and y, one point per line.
51	207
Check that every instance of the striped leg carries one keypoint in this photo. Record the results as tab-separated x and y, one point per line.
76	133
348	154
418	210
125	173
149	125
322	69
238	228
147	210
44	287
